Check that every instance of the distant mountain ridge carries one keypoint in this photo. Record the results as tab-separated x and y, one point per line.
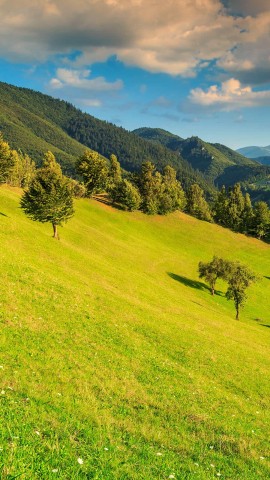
255	152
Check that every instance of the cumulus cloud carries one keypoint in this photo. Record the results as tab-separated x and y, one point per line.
79	79
175	37
230	96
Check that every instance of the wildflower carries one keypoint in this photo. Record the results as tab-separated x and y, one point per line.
158	454
171	476
262	458
80	461
37	432
106	449
211	447
218	474
3	392
54	470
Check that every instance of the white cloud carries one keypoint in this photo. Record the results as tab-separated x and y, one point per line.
79	79
230	96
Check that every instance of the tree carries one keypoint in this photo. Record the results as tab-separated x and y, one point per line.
115	175
6	159
49	197
213	270
150	186
172	196
23	170
126	195
94	171
247	215
261	220
239	278
220	207
197	206
235	208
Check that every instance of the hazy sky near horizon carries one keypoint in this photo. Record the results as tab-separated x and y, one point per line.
193	67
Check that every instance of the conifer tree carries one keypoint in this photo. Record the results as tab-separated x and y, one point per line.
220	207
197	206
235	208
150	186
247	215
49	197
172	196
115	175
261	220
127	195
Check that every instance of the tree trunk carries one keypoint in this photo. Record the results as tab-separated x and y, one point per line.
237	312
212	290
55	231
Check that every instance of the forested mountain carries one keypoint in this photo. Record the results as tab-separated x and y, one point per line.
263	160
218	163
35	123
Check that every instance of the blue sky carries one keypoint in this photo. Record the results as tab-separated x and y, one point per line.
193	68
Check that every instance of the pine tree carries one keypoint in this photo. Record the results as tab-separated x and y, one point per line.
115	174
48	198
220	207
247	215
127	195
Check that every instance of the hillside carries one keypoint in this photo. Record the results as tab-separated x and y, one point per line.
219	164
255	152
116	362
35	123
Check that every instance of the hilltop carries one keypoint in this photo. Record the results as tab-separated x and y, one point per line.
35	123
116	362
219	164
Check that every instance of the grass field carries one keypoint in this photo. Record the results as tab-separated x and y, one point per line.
116	363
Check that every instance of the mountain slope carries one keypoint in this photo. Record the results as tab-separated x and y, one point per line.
113	351
254	152
218	163
35	123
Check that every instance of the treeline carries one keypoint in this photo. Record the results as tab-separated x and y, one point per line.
234	210
148	190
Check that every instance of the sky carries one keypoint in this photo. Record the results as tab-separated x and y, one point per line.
192	67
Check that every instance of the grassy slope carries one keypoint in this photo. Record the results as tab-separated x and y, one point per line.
113	351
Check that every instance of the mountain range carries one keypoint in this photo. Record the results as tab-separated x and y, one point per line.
35	123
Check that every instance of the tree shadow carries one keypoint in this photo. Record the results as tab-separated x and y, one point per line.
3	214
188	282
102	198
268	278
264	325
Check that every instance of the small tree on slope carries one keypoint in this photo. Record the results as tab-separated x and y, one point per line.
239	278
213	270
49	198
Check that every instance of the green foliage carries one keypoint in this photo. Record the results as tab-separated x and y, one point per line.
48	198
261	220
94	171
213	270
115	174
239	278
6	160
126	194
196	205
23	170
172	196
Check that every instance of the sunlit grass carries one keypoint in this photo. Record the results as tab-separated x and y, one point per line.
116	362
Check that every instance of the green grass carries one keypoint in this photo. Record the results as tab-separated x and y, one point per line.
114	352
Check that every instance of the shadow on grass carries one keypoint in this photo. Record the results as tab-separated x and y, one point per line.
3	214
106	201
188	282
268	278
264	325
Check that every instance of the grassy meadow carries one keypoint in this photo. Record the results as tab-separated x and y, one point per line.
116	363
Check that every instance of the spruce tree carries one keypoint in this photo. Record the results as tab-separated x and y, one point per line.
49	197
197	206
150	186
235	208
